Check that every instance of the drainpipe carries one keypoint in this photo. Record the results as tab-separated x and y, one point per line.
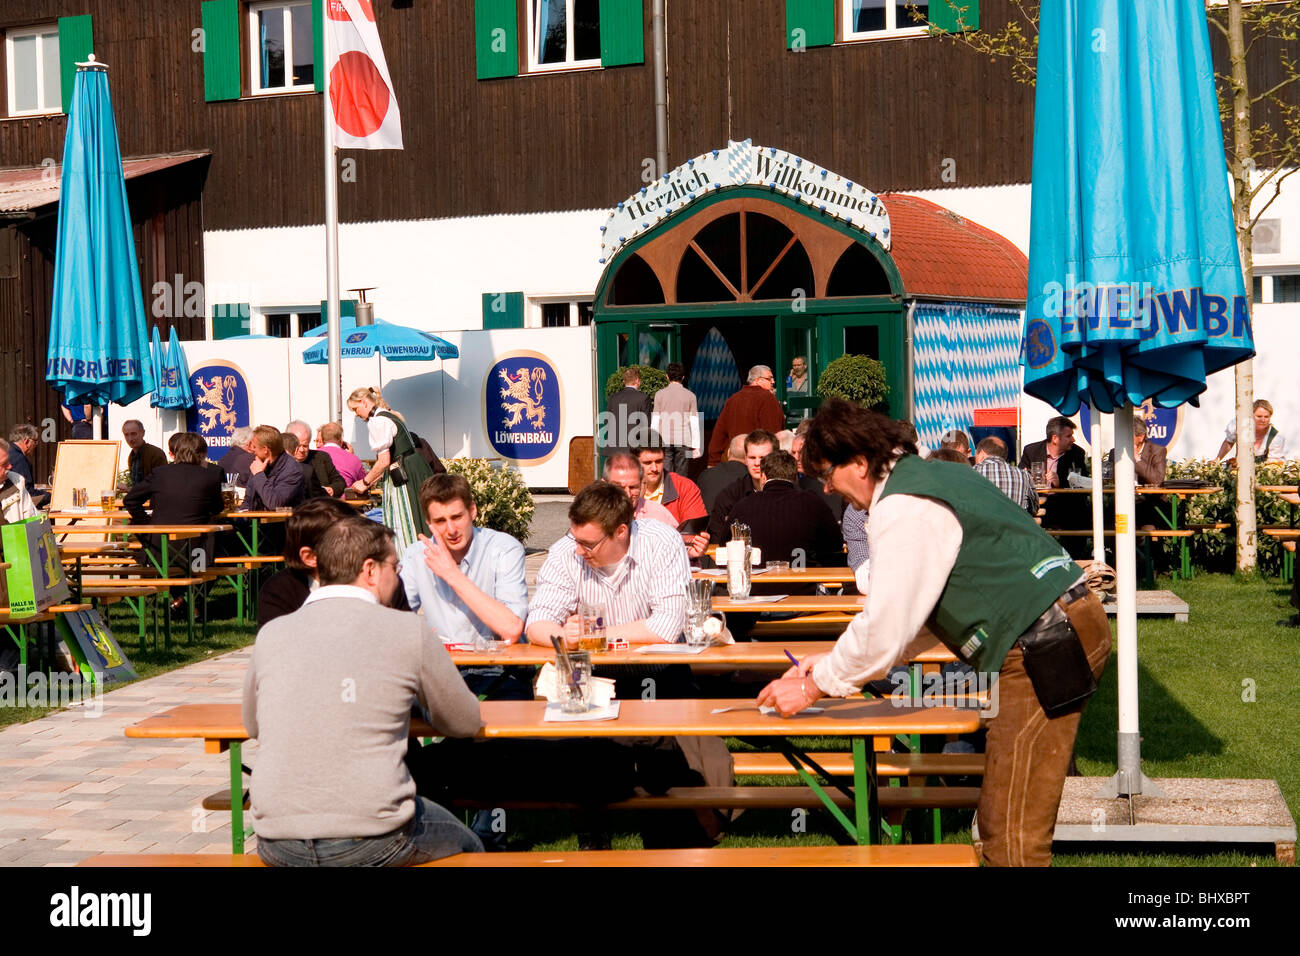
661	85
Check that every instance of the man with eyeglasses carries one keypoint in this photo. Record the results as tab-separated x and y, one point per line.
636	569
1019	611
753	407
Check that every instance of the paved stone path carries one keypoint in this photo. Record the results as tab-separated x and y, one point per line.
73	785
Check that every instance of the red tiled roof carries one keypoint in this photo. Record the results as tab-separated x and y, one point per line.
28	188
941	255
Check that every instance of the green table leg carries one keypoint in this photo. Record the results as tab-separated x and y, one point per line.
236	799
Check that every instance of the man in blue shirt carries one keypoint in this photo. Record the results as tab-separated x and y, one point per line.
468	581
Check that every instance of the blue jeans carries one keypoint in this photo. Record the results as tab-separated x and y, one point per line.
432	834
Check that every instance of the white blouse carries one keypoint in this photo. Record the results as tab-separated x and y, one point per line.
381	431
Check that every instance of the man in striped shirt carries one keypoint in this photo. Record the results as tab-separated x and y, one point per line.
636	569
1015	483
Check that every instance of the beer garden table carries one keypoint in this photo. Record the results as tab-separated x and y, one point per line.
220	726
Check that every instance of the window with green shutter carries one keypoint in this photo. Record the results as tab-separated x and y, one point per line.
809	23
496	29
503	310
955	16
32	54
76	42
221	50
622	32
230	319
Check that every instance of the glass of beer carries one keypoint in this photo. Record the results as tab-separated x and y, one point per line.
107	500
592	637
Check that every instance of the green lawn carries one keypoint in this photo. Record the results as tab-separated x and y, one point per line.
224	634
1194	720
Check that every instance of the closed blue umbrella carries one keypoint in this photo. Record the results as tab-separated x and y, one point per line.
174	381
397	343
99	342
157	356
1135	285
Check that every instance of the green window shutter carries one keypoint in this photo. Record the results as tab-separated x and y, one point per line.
496	30
221	50
622	32
230	319
503	310
318	43
75	44
809	23
347	310
946	18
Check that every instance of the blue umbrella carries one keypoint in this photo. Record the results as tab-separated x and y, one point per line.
99	342
157	356
397	343
174	382
1134	275
1135	285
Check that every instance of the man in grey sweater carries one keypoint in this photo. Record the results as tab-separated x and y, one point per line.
328	695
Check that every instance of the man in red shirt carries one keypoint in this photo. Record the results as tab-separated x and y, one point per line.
753	407
679	495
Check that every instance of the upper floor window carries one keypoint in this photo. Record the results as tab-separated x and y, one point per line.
563	34
558	313
867	19
32	74
281	47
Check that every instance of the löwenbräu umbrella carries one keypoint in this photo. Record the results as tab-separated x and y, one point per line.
173	389
1135	285
397	343
99	342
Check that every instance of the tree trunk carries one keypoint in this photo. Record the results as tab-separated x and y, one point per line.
1244	373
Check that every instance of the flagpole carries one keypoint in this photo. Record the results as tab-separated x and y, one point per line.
332	252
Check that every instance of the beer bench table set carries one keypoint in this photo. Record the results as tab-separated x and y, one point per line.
161	567
867	724
1172	530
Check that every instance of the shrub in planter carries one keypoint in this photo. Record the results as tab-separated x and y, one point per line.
857	378
652	379
503	500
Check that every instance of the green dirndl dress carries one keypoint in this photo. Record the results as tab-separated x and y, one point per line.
401	503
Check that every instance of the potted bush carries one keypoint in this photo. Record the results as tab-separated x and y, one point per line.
652	379
857	378
503	500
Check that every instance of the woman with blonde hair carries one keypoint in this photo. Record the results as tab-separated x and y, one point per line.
397	464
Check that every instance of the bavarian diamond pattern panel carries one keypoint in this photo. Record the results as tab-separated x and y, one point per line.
964	356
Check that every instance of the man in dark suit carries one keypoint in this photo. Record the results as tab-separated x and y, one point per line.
239	457
278	481
787	522
758	445
714	479
1151	462
185	492
22	439
628	421
144	457
1058	451
323	479
1060	456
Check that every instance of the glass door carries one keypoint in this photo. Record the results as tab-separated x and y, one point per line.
875	334
796	366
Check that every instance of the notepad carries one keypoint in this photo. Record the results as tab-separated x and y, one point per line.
672	649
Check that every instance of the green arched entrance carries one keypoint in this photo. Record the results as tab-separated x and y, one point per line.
777	278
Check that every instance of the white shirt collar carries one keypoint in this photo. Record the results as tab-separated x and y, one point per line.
340	591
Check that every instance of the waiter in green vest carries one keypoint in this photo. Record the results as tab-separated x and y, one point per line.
950	551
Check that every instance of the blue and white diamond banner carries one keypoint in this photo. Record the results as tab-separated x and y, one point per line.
744	164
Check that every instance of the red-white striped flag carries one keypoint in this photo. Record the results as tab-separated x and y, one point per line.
363	105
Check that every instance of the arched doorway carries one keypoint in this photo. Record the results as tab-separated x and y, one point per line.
746	276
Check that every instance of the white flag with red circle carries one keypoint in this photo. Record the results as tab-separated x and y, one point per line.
363	106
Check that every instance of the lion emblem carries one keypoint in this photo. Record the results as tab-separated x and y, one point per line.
218	395
520	401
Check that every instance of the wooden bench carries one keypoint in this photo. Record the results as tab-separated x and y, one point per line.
887	765
827	624
720	798
1286	537
943	854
